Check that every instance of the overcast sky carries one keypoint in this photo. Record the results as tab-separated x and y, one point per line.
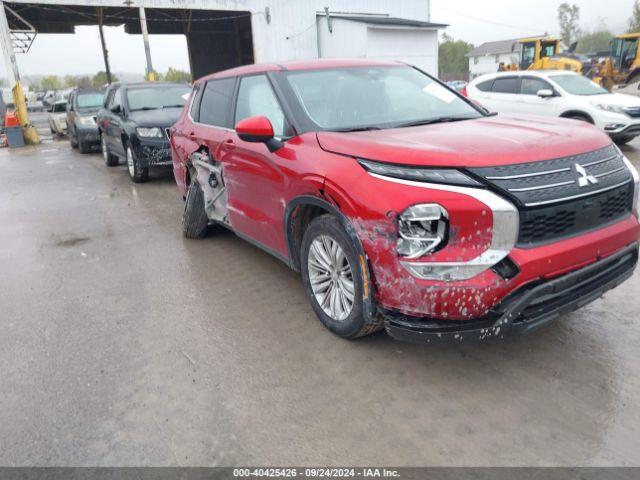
475	21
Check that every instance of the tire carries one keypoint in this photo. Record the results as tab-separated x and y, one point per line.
342	273
73	140
195	223
137	173
623	140
110	160
84	147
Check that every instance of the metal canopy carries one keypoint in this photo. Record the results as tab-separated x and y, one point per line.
50	18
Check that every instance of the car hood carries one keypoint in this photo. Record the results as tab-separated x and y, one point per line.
488	141
164	117
615	99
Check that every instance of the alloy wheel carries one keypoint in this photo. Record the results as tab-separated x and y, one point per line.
130	164
331	277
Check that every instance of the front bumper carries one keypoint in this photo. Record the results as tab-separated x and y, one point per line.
152	152
88	134
524	310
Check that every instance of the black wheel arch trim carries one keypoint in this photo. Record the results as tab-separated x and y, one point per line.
580	113
368	303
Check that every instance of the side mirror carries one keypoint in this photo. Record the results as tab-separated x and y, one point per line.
258	129
117	109
545	93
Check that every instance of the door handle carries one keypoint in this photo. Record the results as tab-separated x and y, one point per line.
229	144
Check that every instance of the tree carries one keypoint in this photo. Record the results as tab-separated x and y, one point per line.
634	21
50	82
100	79
595	41
84	82
569	19
70	81
451	56
175	75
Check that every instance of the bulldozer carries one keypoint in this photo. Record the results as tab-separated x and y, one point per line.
542	53
622	66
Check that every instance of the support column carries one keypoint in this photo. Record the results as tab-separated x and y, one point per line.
147	51
105	52
13	75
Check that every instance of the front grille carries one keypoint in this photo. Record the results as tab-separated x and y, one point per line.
564	196
552	222
632	111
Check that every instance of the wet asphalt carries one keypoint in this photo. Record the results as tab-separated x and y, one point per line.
122	343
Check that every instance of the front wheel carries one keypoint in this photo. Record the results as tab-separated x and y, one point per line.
137	173
623	140
110	160
333	279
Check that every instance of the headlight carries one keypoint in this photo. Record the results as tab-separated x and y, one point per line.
447	176
609	108
87	120
152	132
422	229
636	182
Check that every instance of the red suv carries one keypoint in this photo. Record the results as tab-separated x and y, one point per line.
402	203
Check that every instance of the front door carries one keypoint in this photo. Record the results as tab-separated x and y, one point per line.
530	102
253	174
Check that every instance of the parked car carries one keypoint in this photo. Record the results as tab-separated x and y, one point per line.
418	211
57	117
457	85
134	122
82	109
558	93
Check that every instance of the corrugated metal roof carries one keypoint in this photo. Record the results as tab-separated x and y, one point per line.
493	48
387	21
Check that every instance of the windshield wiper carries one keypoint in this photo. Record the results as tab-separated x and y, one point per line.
431	121
356	129
144	108
172	106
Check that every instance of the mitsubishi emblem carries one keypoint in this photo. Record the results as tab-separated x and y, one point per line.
584	179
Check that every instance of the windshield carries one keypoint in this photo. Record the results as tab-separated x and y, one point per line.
374	97
578	85
157	97
90	99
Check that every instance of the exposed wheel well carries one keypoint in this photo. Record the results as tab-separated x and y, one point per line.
298	220
577	114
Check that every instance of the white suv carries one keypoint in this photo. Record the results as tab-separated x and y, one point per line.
559	93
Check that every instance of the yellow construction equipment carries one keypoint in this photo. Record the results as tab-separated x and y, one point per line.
543	53
623	64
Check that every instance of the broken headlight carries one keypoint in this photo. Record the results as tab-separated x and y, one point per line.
146	132
448	176
422	229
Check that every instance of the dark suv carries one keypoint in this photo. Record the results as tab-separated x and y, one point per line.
82	107
134	123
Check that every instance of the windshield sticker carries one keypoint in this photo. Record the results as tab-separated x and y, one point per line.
439	92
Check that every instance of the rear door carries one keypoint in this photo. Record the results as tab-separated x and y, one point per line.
504	92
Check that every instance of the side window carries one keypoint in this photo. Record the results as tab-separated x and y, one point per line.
256	97
194	111
505	85
215	104
485	86
531	85
70	102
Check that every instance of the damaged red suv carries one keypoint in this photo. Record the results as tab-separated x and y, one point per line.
404	205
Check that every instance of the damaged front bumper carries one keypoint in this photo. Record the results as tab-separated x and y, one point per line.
153	152
524	310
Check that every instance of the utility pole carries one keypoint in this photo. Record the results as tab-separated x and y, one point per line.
147	51
105	52
13	74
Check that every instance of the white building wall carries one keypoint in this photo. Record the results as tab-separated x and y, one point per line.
415	47
489	63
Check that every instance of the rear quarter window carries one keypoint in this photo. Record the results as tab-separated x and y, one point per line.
485	86
215	105
505	85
